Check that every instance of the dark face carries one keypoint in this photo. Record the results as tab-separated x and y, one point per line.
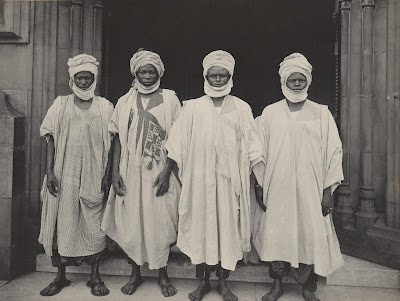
84	79
147	75
296	82
217	76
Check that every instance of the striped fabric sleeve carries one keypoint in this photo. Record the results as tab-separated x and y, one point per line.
48	124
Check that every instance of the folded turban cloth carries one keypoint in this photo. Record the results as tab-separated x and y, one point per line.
222	59
296	62
139	59
83	62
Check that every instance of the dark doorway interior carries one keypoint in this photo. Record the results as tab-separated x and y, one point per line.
259	34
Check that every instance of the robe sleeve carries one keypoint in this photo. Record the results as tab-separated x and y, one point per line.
262	128
176	108
252	139
113	125
48	125
110	113
178	139
263	134
334	155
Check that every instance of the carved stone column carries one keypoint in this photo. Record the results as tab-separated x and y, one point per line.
343	212
98	38
63	47
77	27
393	118
367	215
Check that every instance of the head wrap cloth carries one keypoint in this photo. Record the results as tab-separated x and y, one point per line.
296	62
219	58
222	59
144	57
79	63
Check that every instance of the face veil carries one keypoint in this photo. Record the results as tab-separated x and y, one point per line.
79	63
222	59
296	62
139	59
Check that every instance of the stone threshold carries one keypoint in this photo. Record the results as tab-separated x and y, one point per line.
354	272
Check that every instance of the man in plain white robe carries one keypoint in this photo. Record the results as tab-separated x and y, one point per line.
78	176
303	168
141	220
215	145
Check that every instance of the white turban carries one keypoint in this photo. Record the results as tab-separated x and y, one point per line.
143	57
222	59
83	62
296	62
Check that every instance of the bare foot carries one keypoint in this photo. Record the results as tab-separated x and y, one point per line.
201	290
309	296
98	288
224	291
167	289
55	287
275	293
132	285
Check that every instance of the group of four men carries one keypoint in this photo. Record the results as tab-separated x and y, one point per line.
182	174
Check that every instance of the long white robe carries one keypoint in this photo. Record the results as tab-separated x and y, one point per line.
142	224
214	153
303	157
71	221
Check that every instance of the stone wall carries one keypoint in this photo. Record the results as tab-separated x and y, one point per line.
368	211
36	40
16	90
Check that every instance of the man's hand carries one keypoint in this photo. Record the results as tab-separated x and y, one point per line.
52	184
162	181
259	197
118	184
326	202
105	186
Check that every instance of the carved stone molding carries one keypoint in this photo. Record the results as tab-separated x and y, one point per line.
365	3
367	215
14	22
345	5
99	4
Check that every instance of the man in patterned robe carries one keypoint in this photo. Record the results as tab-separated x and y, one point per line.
141	220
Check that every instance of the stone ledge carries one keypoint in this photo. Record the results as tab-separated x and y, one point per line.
355	272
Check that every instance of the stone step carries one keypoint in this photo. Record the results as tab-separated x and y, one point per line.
355	272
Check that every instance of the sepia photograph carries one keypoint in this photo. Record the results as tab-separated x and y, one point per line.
216	150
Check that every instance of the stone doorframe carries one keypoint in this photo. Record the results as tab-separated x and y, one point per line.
367	213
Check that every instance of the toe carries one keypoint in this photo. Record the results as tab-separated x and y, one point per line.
131	290
96	291
105	291
172	290
52	291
